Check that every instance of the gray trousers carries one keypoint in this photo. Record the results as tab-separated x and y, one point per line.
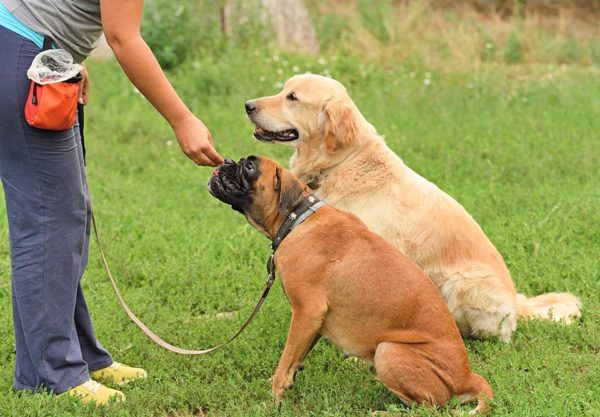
48	208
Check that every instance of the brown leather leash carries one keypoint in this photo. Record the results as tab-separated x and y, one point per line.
153	336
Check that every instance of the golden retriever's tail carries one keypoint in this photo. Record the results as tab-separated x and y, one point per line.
553	306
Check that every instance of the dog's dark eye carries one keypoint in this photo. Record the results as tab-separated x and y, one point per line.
249	168
292	96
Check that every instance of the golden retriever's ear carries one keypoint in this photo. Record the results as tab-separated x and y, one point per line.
339	124
290	191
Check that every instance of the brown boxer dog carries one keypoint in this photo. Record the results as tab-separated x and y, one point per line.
354	288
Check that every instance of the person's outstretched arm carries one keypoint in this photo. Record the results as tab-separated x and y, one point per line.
121	21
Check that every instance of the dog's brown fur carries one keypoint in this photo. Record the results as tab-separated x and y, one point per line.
341	155
356	289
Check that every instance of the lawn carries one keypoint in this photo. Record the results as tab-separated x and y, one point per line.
517	145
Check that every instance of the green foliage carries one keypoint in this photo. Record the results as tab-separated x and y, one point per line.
410	32
180	31
488	51
572	50
513	51
247	24
375	16
176	30
331	27
594	48
451	38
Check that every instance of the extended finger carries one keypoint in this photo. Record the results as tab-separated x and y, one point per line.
214	156
203	160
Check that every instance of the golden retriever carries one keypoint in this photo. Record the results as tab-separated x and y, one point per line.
341	156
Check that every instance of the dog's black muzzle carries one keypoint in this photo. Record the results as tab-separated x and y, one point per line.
232	182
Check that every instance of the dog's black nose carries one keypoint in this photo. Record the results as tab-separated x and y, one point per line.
228	161
250	107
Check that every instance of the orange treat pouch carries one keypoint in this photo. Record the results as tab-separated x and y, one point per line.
53	106
55	80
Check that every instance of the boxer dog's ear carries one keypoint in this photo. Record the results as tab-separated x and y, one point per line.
338	124
290	191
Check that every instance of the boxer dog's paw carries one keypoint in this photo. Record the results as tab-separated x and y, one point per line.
277	396
280	384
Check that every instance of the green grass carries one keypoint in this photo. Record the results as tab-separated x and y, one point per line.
519	147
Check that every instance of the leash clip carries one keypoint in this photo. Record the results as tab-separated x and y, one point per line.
270	275
271	264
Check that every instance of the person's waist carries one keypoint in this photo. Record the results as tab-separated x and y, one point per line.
10	22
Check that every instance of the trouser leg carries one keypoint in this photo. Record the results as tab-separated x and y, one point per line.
48	215
92	351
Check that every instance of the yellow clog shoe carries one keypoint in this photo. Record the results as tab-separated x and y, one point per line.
118	373
94	391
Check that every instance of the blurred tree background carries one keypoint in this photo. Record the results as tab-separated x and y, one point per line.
442	33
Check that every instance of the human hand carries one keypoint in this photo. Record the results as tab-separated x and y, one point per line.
196	142
84	87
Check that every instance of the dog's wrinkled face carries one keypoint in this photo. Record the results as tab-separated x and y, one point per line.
259	188
310	108
233	183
